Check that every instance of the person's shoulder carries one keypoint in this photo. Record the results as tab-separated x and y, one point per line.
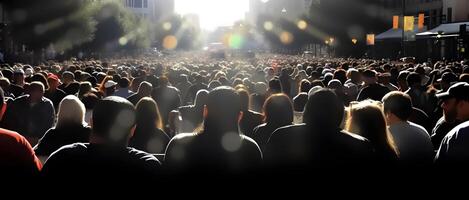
290	129
183	138
21	99
418	128
143	156
458	132
8	135
69	149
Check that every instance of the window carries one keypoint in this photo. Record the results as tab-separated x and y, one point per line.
449	15
145	3
137	4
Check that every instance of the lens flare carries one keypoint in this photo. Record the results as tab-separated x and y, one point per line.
286	37
302	24
170	42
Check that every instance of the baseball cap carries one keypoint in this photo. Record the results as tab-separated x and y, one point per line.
448	77
109	84
459	91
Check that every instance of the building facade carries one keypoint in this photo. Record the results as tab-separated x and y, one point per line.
456	10
152	10
289	9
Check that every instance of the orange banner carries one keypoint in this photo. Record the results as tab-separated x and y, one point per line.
395	22
370	39
421	21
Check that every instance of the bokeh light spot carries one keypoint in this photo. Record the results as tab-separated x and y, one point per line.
167	26
236	41
286	37
302	24
170	42
268	26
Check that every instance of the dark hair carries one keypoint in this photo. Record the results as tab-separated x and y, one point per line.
305	86
113	119
90	100
124	83
399	104
413	79
275	86
324	110
40	78
220	116
278	110
243	99
340	75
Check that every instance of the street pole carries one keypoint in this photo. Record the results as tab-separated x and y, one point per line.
403	32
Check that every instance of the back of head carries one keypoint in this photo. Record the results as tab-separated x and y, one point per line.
323	110
148	114
71	112
399	104
244	98
414	79
145	88
223	106
366	119
278	110
112	120
201	98
124	83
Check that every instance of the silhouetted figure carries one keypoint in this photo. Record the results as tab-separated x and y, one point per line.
278	112
320	142
149	135
70	128
107	156
219	147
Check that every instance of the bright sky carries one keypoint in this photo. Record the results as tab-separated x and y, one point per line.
214	13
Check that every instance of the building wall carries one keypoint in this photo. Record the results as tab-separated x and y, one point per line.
151	9
458	9
293	9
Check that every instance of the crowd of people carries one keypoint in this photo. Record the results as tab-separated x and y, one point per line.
147	117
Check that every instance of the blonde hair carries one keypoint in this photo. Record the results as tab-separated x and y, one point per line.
366	118
71	111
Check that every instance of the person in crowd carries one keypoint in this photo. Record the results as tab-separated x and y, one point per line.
31	115
167	97
220	145
18	83
366	118
278	112
299	101
275	87
69	84
402	81
109	88
191	116
107	157
353	84
412	140
418	93
17	157
250	119
149	135
184	86
258	97
319	142
371	88
453	150
54	93
123	90
70	127
449	119
89	100
198	84
144	90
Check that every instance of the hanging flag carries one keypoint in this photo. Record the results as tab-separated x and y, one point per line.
370	39
395	22
421	21
409	23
